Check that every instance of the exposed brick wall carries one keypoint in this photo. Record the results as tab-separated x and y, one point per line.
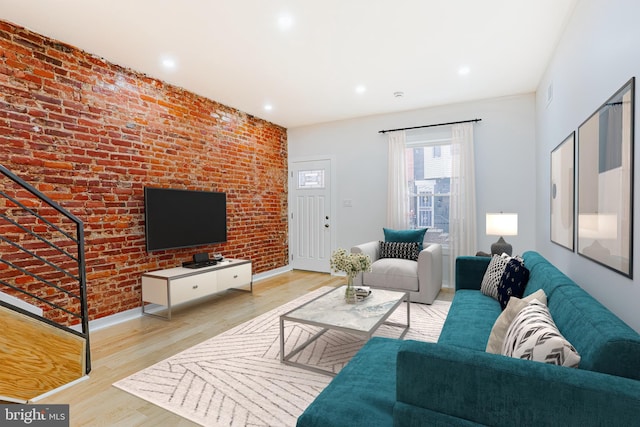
91	135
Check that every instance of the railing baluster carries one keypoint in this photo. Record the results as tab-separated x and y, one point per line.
78	241
43	240
23	249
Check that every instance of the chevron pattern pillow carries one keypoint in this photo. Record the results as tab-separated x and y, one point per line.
534	336
404	250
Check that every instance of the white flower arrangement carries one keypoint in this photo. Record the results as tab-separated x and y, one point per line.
350	263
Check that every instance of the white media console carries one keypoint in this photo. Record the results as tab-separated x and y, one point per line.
177	285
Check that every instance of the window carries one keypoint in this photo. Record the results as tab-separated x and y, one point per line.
308	179
428	183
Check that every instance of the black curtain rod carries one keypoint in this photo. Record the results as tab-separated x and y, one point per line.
430	126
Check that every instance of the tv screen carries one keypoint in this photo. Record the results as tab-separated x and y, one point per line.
182	218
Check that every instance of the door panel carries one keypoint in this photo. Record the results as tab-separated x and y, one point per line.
311	215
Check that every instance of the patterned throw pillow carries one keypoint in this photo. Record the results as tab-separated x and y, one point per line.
492	276
534	336
500	327
513	281
404	250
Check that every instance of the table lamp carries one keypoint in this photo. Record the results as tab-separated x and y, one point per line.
502	224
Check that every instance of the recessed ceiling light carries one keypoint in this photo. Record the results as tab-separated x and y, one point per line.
464	70
361	89
398	94
268	107
285	21
169	63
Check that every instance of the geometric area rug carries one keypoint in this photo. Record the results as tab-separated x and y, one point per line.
236	378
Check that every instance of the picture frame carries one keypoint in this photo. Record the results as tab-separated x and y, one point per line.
605	182
562	193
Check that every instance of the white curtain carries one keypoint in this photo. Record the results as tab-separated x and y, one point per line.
462	213
397	197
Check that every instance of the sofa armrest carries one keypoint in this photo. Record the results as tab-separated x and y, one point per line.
470	271
496	390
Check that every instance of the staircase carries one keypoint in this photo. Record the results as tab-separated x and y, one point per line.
41	265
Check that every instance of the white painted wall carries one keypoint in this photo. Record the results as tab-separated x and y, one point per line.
505	167
598	53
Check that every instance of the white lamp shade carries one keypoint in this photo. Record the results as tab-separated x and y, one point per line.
502	224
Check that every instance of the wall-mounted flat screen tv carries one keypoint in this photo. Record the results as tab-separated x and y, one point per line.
177	218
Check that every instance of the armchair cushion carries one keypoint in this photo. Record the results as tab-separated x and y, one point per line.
393	273
404	250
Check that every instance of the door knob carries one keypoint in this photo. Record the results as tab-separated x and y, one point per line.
326	226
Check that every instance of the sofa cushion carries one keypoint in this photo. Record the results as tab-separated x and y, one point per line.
470	319
499	330
363	392
403	250
407	236
392	273
513	281
533	336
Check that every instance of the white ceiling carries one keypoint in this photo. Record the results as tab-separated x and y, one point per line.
237	53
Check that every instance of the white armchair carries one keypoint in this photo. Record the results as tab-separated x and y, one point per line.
423	278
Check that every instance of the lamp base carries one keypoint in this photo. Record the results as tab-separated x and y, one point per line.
500	247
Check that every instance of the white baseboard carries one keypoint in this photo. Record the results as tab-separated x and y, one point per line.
114	319
21	304
271	273
134	313
56	390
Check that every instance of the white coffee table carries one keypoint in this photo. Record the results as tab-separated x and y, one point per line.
330	311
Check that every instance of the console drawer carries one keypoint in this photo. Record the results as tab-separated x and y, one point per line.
192	287
234	277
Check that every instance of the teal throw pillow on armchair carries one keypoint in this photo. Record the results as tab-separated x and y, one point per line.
406	236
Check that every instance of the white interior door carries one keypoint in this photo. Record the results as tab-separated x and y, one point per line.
311	228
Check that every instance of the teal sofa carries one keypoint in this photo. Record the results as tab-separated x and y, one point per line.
456	383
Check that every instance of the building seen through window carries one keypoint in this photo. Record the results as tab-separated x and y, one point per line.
429	186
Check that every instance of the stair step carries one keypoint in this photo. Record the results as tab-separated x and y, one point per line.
36	357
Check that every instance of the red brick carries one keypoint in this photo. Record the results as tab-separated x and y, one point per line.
77	145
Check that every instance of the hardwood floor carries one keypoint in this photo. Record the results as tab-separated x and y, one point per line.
123	349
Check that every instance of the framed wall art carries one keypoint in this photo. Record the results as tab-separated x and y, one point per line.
605	183
562	193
